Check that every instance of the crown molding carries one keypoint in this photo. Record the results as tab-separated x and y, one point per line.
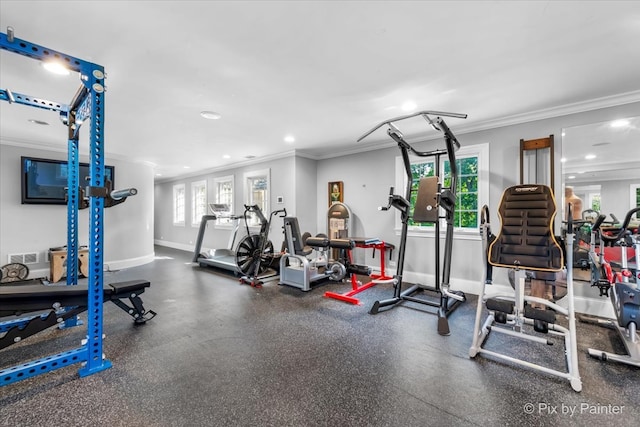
516	119
236	165
554	112
548	113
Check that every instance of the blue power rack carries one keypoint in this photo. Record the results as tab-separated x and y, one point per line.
87	105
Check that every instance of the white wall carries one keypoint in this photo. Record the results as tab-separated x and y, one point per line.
304	185
282	184
615	196
128	227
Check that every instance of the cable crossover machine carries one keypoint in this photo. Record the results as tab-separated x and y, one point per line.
64	302
432	197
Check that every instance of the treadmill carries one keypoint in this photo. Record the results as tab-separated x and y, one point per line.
224	258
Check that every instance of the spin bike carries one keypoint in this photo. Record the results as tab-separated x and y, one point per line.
255	254
621	284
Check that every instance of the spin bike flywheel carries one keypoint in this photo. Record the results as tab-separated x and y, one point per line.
14	272
249	256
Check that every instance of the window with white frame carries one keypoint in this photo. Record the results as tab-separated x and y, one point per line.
256	192
224	195
198	201
635	197
472	190
179	204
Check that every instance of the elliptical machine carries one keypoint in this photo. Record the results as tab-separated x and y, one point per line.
622	286
431	197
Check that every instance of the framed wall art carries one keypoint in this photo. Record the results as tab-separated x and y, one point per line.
336	192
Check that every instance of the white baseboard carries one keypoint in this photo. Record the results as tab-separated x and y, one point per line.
593	307
39	273
174	245
466	286
128	263
600	307
107	265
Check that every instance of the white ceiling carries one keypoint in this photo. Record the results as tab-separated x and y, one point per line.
604	151
323	71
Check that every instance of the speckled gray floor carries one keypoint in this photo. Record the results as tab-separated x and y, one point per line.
221	354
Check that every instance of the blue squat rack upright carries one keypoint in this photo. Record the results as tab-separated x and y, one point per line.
86	105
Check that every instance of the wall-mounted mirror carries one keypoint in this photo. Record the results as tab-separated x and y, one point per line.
601	166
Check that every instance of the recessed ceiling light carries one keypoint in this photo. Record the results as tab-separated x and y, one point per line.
211	115
571	177
620	123
290	139
590	156
409	106
226	156
38	122
562	160
158	174
187	167
56	68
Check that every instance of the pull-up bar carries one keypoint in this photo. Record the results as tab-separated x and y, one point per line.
438	125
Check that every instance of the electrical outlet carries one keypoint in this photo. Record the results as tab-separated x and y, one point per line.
392	263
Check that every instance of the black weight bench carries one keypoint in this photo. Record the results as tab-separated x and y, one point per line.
24	299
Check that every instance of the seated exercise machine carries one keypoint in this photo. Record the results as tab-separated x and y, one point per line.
255	255
431	197
526	243
621	283
301	272
56	303
224	258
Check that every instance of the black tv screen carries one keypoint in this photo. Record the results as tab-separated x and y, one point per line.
44	181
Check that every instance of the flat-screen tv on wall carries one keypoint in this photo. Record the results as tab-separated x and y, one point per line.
44	181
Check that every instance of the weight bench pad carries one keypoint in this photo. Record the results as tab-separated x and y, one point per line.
26	298
324	242
128	286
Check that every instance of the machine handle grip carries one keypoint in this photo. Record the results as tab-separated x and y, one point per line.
598	222
386	208
484	215
121	194
623	227
569	218
282	211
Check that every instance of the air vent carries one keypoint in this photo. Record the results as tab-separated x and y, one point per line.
28	258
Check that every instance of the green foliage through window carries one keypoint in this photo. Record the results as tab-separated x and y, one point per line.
466	211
